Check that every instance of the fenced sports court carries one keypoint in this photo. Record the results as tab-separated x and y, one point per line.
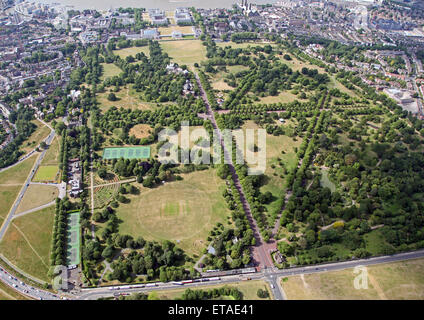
126	153
73	239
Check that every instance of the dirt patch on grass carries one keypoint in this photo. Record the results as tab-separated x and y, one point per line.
141	131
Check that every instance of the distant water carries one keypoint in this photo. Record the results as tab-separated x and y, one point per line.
161	4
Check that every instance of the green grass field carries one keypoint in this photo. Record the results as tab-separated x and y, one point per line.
128	98
127	153
8	195
109	70
123	53
19	173
186	52
27	242
46	174
181	211
51	158
400	280
274	147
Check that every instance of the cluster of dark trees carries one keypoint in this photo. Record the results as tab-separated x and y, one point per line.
157	260
59	235
39	56
233	242
244	36
210	294
150	77
24	127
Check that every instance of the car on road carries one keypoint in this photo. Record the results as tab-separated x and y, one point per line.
272	286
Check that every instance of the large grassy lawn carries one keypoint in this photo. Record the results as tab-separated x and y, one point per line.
186	52
167	31
248	288
400	280
8	196
46	173
110	70
181	211
19	173
51	158
37	195
36	137
123	53
27	242
128	98
275	145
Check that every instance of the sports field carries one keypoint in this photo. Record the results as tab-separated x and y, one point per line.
127	153
73	240
399	280
186	52
181	211
46	174
27	241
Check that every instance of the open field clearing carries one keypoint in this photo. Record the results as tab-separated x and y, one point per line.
400	280
186	52
7	293
8	195
127	99
181	211
141	131
36	137
109	70
217	79
37	195
46	174
275	145
248	288
27	242
18	173
283	97
167	31
326	182
51	157
123	53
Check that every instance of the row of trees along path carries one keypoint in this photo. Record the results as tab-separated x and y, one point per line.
261	251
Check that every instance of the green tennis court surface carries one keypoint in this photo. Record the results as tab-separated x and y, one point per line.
127	153
73	239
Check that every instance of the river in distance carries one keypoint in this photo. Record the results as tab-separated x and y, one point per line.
160	4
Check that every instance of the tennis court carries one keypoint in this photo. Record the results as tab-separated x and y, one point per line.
73	239
127	153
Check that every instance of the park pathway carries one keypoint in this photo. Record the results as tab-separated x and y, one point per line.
260	252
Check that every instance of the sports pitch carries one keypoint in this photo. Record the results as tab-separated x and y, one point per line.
73	240
127	153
